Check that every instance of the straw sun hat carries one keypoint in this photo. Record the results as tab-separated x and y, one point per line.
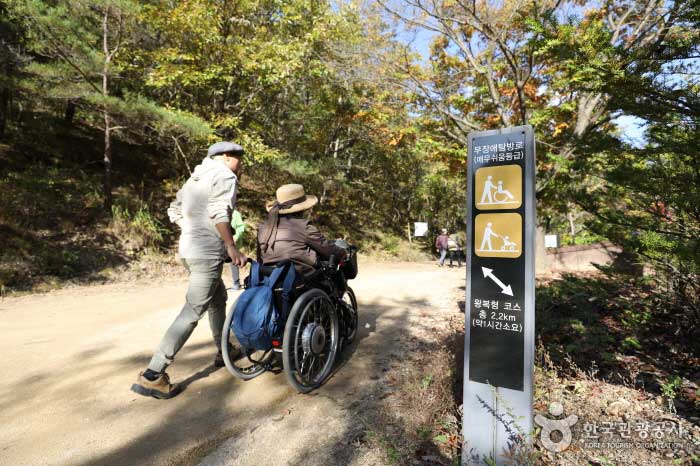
293	199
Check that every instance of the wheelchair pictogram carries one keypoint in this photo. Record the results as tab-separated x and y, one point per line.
499	187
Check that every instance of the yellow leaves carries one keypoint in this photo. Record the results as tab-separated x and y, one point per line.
395	139
509	91
360	115
493	120
558	129
530	90
439	43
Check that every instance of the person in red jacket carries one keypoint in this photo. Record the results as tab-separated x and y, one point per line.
441	246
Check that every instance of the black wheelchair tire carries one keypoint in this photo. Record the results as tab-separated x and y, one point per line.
291	335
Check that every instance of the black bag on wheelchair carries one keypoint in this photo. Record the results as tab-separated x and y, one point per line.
349	267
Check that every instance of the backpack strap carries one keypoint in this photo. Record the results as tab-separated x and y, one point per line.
275	276
287	286
255	273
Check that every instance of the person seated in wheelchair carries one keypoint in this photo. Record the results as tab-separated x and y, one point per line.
288	234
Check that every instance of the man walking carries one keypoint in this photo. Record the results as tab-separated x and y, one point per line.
454	247
202	209
441	246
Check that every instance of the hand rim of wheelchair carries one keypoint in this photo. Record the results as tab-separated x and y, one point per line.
308	337
257	366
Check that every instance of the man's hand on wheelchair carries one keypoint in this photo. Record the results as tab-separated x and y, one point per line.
237	257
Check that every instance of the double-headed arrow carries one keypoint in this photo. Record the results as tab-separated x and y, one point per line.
507	290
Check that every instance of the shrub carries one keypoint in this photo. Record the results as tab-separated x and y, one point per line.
137	230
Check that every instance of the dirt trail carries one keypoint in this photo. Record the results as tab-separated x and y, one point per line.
70	357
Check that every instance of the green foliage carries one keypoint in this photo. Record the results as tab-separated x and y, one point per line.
287	80
649	203
631	343
426	381
670	388
323	93
138	228
641	197
424	432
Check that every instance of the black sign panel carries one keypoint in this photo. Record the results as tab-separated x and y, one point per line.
497	216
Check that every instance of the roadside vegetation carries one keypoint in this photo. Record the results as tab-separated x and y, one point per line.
106	107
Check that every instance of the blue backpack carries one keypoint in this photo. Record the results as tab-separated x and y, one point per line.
255	319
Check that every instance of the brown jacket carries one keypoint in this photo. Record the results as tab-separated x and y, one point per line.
299	241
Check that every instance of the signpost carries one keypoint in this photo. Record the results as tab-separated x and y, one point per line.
500	292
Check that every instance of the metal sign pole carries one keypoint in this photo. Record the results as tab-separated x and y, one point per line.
499	346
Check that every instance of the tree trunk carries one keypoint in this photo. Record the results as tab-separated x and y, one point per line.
107	155
4	110
107	159
70	112
572	225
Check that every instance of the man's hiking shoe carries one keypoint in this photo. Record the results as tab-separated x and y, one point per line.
233	352
160	388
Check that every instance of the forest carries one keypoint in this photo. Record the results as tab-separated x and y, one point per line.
106	106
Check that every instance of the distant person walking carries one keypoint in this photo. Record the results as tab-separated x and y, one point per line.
455	249
202	209
441	246
239	227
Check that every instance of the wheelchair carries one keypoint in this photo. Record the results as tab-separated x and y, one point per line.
321	322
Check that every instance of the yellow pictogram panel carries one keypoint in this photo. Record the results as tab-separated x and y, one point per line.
499	187
498	235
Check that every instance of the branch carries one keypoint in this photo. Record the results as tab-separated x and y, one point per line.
53	41
177	145
119	39
412	21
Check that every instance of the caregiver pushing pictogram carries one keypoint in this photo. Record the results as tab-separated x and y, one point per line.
487	246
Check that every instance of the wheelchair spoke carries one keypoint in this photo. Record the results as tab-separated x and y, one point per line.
311	366
303	364
312	341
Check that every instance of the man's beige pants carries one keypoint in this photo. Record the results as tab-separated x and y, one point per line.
206	293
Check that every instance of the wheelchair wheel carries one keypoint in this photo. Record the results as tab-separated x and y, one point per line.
250	363
351	317
311	337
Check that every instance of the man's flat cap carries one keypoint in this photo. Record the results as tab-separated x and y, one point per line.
224	147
